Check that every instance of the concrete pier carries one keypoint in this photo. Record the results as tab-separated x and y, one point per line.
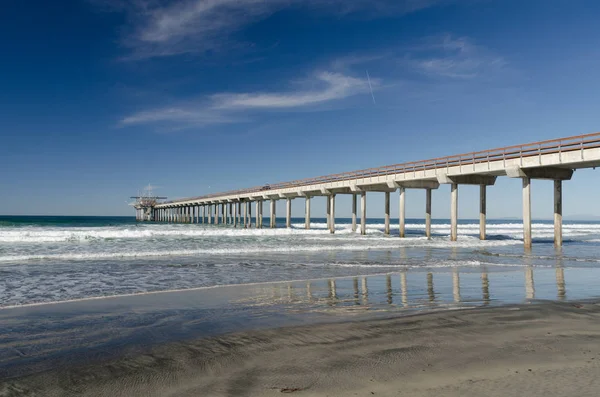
387	214
402	212
354	212
307	213
428	213
558	240
363	213
332	209
527	212
547	160
482	211
454	212
288	213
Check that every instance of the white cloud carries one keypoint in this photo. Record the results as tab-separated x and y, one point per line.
229	107
334	86
455	58
164	28
178	117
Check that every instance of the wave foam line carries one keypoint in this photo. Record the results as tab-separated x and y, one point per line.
393	244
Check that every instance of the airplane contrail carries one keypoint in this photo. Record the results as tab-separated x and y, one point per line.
371	88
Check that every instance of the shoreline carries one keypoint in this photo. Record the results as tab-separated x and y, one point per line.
547	348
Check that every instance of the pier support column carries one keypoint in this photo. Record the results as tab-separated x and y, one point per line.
332	215
328	212
387	213
428	213
482	210
239	212
224	214
246	204
261	212
454	212
203	214
273	218
288	213
307	213
235	213
363	213
249	214
354	212
402	212
527	212
558	240
216	214
257	216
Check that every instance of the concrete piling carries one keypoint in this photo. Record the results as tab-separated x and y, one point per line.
454	212
402	212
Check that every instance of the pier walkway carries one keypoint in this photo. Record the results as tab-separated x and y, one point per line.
551	160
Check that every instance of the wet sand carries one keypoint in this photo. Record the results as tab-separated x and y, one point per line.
545	349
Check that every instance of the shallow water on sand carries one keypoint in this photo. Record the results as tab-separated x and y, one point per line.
53	259
40	337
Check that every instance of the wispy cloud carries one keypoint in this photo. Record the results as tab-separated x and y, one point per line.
333	86
455	58
160	28
234	107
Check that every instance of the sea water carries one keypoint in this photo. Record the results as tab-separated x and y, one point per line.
54	259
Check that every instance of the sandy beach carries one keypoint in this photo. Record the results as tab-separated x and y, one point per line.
545	349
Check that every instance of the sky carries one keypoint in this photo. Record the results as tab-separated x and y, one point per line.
99	98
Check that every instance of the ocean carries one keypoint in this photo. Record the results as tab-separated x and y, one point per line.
45	259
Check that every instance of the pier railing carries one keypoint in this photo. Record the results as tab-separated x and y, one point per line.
562	145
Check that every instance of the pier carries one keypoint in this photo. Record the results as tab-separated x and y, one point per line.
552	160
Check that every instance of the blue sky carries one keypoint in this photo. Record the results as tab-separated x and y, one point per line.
99	98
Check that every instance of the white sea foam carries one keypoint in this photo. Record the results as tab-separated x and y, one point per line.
377	243
49	235
53	263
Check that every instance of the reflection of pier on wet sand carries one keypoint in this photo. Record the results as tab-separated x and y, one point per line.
412	290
